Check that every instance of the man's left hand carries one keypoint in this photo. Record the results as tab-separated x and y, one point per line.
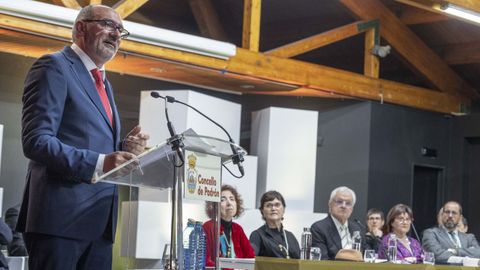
135	141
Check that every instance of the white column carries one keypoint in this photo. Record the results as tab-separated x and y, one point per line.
285	141
153	121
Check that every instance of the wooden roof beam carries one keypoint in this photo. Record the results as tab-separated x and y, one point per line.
135	56
67	3
473	5
302	91
127	7
413	15
436	6
207	19
371	63
411	47
251	24
462	53
320	40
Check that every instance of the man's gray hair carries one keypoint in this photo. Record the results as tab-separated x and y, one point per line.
343	189
86	13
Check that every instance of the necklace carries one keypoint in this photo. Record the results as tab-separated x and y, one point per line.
286	243
229	245
284	249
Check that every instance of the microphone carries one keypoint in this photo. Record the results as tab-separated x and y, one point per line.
237	157
416	234
360	223
174	140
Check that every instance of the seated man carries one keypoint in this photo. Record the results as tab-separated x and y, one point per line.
447	243
335	232
5	239
17	246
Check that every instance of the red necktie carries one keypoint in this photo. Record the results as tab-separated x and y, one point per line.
97	75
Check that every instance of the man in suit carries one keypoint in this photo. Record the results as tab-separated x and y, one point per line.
447	243
335	231
71	134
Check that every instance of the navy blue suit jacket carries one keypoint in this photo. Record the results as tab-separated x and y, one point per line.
64	128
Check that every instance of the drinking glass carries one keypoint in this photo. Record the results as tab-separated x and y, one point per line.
428	258
315	253
369	256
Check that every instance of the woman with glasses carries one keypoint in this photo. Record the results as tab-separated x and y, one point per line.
233	241
399	221
272	240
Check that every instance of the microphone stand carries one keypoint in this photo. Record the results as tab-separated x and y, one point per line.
416	234
237	157
176	234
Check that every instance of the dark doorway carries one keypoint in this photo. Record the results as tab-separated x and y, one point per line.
427	196
471	184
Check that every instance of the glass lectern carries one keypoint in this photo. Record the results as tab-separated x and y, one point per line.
197	178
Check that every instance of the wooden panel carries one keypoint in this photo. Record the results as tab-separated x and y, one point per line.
411	16
468	4
246	72
304	92
126	63
464	53
251	25
127	7
342	82
411	48
67	3
207	19
317	41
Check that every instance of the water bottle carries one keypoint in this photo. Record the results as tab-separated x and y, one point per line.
187	245
356	241
201	245
306	244
392	248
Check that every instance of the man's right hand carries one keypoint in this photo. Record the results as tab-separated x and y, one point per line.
114	159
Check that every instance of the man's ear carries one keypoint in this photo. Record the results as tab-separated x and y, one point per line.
80	28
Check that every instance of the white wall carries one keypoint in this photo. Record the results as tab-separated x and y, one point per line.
13	162
153	121
285	141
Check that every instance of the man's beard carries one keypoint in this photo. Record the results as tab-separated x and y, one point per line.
450	224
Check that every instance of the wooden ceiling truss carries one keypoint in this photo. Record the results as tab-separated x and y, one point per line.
250	71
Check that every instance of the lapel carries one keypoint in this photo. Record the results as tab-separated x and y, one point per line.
334	233
463	239
446	238
83	76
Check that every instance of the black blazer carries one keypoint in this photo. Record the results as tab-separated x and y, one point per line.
326	237
266	241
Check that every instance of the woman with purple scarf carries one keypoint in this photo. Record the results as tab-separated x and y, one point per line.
399	221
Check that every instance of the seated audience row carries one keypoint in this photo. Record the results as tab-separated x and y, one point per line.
335	232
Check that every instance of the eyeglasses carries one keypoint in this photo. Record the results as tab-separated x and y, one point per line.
403	220
448	212
342	202
272	205
112	27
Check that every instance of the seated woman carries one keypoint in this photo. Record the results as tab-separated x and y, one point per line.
399	220
233	241
272	240
375	222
